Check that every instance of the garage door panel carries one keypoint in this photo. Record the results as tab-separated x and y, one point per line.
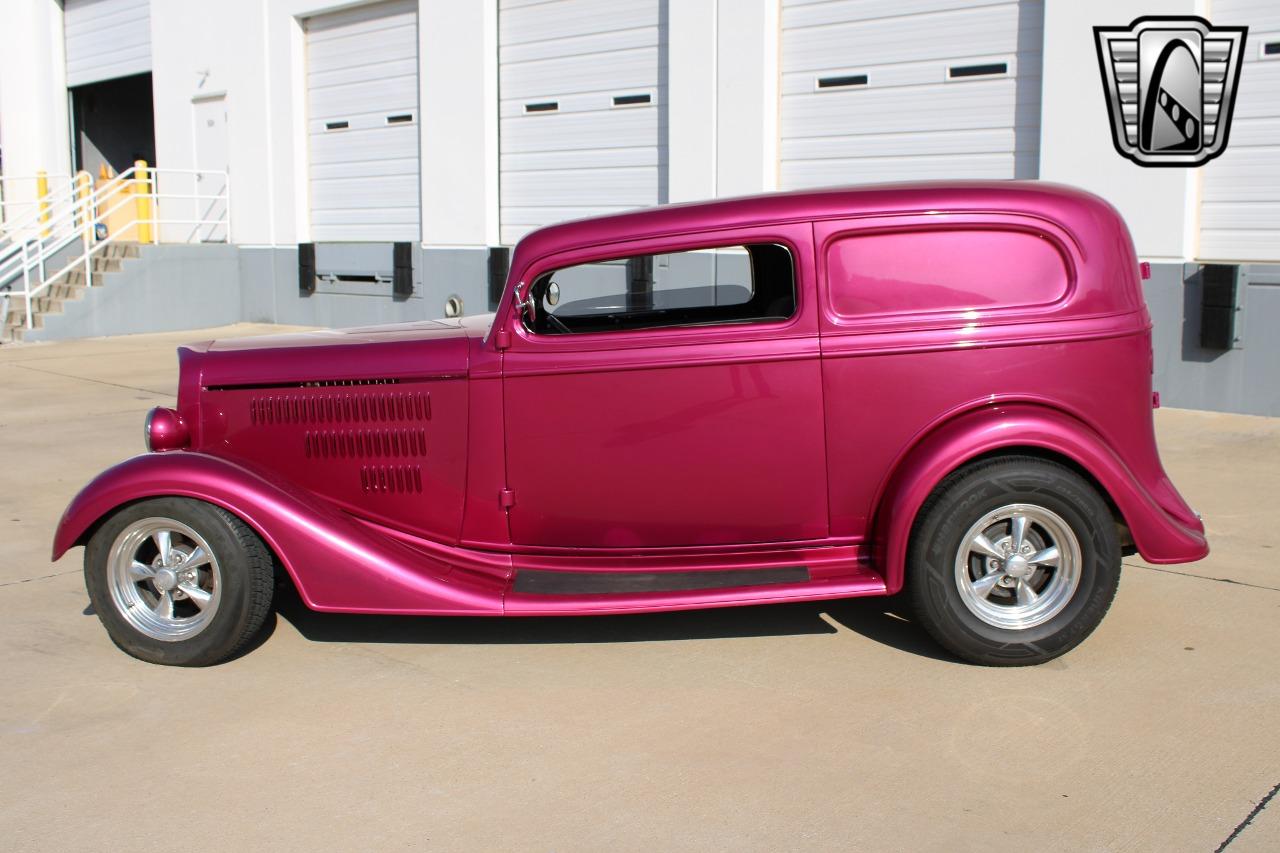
910	119
872	170
1240	191
593	45
347	54
958	34
904	73
395	95
588	155
572	18
591	158
810	13
106	39
368	73
626	69
581	187
362	67
985	104
343	192
578	131
1263	77
1001	140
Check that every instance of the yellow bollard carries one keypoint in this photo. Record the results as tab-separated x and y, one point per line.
142	200
42	193
84	186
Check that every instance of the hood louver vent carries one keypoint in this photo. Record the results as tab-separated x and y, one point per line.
400	479
340	408
366	444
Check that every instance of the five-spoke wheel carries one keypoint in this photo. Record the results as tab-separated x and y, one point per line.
165	579
1013	560
179	581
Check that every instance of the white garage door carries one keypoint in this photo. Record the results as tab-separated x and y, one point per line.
1240	195
106	39
362	123
915	89
582	111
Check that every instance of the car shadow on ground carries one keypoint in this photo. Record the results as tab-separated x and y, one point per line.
881	620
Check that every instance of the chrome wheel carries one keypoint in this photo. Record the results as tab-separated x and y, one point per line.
164	579
1018	566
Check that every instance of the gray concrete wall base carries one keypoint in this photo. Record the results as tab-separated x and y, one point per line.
167	289
1245	378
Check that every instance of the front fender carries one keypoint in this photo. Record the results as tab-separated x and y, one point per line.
336	562
1162	535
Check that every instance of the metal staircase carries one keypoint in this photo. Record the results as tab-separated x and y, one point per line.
74	237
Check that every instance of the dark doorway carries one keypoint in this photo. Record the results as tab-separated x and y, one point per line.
114	124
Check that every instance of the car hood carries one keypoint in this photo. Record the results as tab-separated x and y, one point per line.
424	349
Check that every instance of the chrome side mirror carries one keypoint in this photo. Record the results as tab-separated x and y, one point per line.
553	294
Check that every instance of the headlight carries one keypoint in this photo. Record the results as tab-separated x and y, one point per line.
165	430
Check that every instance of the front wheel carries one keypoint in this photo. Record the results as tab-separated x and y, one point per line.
178	581
1013	561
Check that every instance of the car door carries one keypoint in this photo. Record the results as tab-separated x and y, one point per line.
704	431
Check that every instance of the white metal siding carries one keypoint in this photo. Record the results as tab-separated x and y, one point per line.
362	70
106	39
587	156
1240	196
909	121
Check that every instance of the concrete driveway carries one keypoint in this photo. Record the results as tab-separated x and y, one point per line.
807	727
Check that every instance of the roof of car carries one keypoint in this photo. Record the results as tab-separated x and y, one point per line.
1068	206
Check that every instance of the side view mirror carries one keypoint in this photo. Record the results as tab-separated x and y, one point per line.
553	294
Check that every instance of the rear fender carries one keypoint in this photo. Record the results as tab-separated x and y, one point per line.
1159	536
336	562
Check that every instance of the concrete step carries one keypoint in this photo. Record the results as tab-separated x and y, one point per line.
121	250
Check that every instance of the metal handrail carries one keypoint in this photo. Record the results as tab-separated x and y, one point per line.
78	218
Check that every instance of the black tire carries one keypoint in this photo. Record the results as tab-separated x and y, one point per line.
962	501
245	585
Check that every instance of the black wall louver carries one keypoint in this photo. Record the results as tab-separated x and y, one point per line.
1271	48
402	270
499	266
306	268
1218	306
336	125
542	107
627	100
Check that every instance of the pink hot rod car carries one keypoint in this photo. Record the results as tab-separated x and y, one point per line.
939	388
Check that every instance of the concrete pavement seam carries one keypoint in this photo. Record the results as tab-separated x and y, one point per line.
95	381
1200	577
40	578
1240	827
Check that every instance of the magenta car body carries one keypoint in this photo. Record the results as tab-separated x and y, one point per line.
477	467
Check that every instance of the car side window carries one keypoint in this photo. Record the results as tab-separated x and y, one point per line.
732	284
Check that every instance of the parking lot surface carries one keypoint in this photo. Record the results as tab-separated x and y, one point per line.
799	727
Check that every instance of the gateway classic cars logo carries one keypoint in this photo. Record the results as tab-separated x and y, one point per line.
1170	84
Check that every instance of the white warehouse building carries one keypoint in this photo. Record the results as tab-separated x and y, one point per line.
329	163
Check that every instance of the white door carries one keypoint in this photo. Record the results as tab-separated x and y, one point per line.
210	209
1240	193
582	115
105	39
875	92
362	128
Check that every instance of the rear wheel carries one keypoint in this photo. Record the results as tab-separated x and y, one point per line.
1013	561
178	581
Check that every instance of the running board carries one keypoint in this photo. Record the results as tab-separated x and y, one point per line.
541	582
519	601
